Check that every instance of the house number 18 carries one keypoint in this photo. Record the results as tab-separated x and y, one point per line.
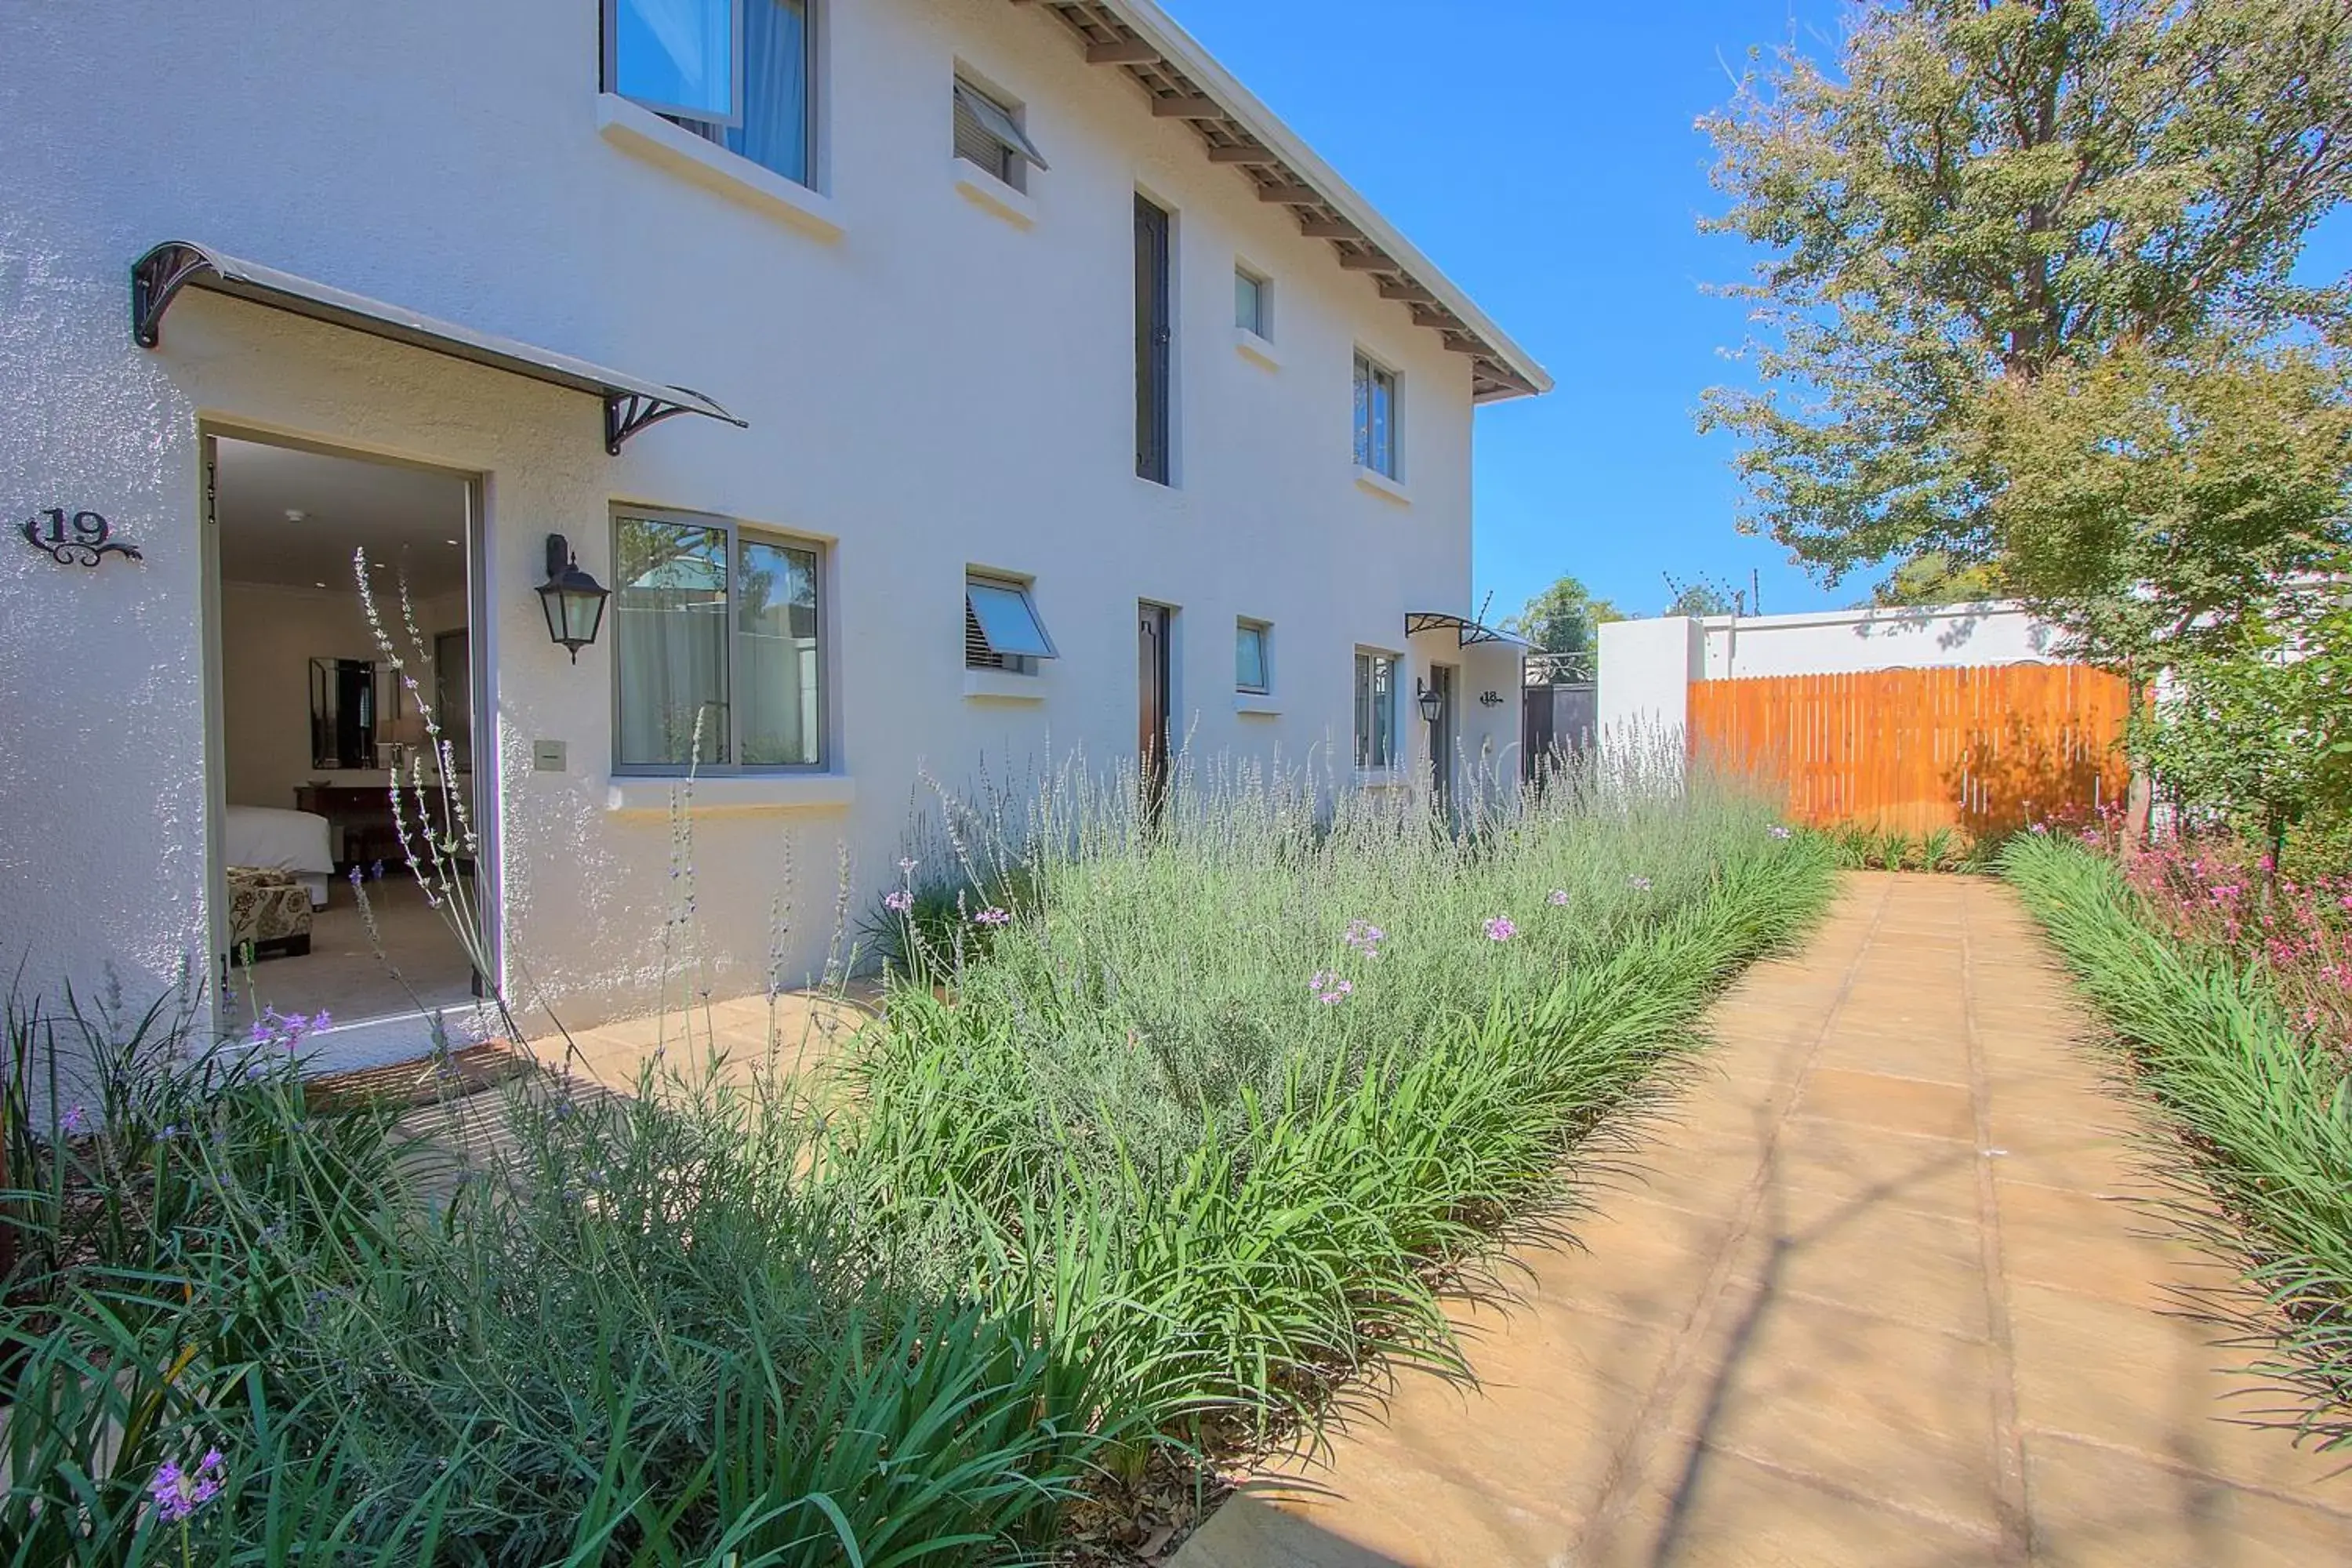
76	540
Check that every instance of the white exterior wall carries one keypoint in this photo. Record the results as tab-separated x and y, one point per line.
1843	642
1647	667
927	385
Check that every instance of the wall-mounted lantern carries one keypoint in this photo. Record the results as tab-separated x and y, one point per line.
574	601
1432	700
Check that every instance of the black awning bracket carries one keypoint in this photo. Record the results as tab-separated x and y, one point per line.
155	277
630	404
1468	633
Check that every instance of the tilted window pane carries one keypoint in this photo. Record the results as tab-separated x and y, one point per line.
1249	303
1249	658
776	655
1006	620
669	642
677	54
774	132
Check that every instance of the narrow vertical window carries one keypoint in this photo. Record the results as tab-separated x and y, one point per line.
1253	671
1376	408
1375	711
1151	342
1250	314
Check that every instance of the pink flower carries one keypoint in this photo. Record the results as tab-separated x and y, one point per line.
1500	929
993	916
1558	899
900	902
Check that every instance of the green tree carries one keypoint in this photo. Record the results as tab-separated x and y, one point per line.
1934	577
1982	191
2172	508
1563	618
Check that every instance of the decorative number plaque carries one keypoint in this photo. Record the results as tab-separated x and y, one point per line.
77	541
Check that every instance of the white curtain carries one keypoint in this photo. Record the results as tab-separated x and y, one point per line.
774	132
669	639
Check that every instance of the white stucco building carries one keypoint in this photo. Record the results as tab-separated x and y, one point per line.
1046	341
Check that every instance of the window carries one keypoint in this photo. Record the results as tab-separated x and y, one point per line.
1001	628
1250	303
1376	404
1252	667
1151	342
1375	711
716	650
737	72
989	133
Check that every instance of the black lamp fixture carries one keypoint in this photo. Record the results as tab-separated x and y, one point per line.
1432	700
574	601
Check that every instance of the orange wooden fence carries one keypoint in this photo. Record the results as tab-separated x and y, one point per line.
1987	748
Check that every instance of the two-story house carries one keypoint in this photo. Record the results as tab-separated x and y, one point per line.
1048	396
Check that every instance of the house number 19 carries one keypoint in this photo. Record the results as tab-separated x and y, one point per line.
76	540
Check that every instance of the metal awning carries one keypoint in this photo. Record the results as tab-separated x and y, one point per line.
630	404
1470	632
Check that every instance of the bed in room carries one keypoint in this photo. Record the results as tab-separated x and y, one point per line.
301	842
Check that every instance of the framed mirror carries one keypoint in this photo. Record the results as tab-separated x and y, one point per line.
344	713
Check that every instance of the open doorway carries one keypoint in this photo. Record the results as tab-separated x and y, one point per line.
314	726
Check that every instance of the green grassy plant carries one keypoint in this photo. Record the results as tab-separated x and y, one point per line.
1232	1092
2263	1114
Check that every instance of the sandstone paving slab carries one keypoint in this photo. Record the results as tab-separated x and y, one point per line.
1881	1288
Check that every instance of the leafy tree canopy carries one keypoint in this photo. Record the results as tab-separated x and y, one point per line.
2164	507
1934	577
1983	193
1563	618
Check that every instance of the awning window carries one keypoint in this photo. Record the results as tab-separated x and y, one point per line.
992	119
1007	619
630	404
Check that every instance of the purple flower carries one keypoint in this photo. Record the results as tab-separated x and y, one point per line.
900	902
1638	884
179	1493
1365	937
905	866
1329	987
74	1122
1558	899
2038	827
1500	929
376	870
993	916
1780	832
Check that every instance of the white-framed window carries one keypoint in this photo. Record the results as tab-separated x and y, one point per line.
717	646
1253	302
1376	709
1002	630
1376	417
987	133
740	73
1253	657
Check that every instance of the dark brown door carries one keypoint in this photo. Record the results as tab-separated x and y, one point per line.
1441	739
1151	705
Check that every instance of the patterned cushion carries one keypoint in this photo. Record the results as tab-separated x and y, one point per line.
266	904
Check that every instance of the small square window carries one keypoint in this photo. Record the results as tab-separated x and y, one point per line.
1253	657
718	650
1376	417
1252	303
987	133
1001	628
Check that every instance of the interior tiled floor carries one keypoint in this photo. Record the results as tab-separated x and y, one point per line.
1884	1297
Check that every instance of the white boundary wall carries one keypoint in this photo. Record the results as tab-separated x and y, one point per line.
1647	667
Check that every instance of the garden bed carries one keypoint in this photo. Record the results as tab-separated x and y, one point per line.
1174	1128
2249	1071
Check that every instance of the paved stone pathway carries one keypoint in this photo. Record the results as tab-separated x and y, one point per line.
1878	1296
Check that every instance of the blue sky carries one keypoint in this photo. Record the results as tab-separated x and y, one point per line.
1542	151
